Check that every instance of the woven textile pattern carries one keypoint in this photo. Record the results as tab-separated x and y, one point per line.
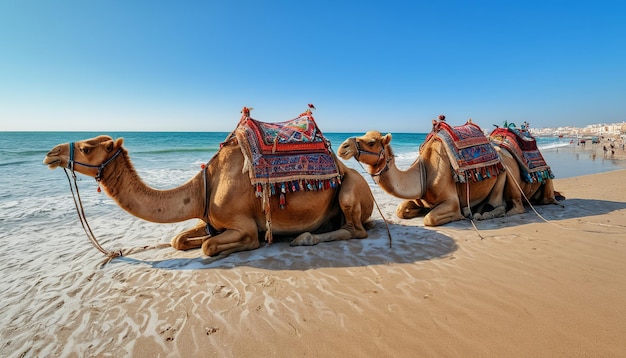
293	153
471	155
524	148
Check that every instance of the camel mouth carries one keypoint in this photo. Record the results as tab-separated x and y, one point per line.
52	162
345	151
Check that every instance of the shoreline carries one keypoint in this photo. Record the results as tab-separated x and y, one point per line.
573	160
526	288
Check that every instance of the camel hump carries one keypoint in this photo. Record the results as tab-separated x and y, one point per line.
471	155
523	146
300	134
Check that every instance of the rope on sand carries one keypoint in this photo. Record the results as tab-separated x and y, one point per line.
378	207
556	224
110	255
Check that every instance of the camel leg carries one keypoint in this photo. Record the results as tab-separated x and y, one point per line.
514	199
447	211
352	229
495	201
309	239
512	190
547	195
192	238
410	209
229	241
355	208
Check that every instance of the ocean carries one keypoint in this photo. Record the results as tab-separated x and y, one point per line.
35	200
36	206
49	268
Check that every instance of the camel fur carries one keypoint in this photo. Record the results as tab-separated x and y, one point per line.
439	197
233	210
428	183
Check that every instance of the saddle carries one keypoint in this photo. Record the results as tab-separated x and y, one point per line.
523	146
285	157
472	156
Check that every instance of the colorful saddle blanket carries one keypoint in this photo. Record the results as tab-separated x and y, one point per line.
524	148
472	157
287	156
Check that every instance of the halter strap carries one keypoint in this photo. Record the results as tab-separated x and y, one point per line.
380	155
360	151
381	158
71	162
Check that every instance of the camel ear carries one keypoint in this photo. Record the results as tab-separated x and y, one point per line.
110	145
387	139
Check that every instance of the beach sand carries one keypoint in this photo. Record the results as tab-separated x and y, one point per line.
527	288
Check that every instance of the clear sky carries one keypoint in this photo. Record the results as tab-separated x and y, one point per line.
115	65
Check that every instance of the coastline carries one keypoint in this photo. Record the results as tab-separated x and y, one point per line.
570	160
519	286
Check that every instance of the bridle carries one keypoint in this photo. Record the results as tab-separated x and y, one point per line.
71	162
381	157
78	202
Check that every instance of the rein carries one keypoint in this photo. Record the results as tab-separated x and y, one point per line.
78	204
381	156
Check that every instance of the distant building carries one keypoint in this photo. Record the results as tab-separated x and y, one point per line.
601	130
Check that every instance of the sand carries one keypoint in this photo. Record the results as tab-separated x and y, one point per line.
527	288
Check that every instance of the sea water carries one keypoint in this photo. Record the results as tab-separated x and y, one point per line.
33	195
35	201
36	206
48	263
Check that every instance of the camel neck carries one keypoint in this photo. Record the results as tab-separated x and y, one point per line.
405	184
121	182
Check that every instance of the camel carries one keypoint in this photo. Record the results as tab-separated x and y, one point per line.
431	189
222	198
518	190
428	185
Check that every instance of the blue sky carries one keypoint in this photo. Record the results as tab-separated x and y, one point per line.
392	66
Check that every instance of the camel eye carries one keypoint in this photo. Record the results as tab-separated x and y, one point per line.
85	150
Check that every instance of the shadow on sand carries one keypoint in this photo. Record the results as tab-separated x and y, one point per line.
409	244
570	209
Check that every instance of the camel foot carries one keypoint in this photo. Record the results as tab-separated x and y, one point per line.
181	242
408	209
305	239
495	213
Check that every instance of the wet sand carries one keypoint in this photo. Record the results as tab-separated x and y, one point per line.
523	286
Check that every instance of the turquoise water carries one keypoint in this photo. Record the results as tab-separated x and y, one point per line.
167	159
30	192
49	278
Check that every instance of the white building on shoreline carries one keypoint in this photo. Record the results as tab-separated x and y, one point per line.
592	130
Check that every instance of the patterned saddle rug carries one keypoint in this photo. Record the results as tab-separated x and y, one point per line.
524	148
286	156
472	157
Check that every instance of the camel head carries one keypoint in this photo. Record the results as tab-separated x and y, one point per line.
368	149
87	157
